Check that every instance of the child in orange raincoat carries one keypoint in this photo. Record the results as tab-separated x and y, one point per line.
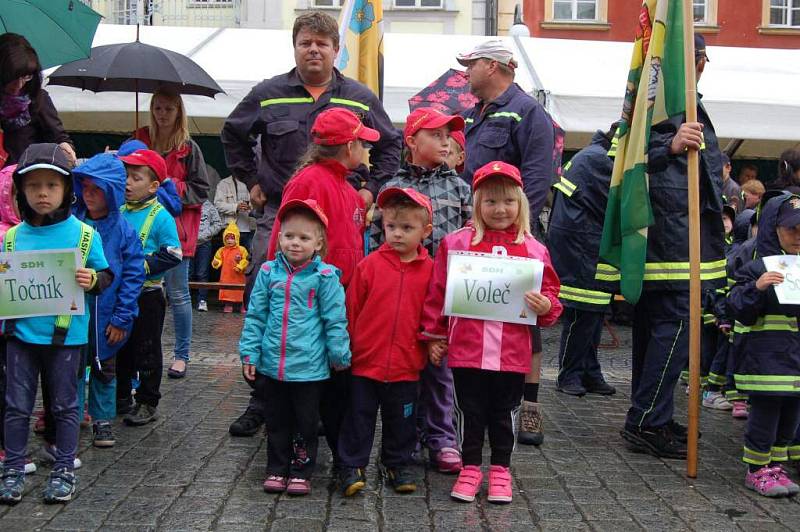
232	258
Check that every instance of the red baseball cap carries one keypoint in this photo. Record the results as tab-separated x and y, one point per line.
496	168
148	158
308	204
339	126
430	118
461	140
417	197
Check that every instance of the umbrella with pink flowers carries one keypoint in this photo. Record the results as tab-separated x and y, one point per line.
449	93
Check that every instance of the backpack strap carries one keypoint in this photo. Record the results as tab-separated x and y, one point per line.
64	321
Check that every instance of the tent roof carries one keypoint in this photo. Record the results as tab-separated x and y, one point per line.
749	92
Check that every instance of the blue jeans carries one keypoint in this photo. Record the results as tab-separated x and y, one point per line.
60	366
200	267
177	282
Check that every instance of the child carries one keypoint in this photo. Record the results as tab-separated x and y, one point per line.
100	191
769	351
339	144
210	225
162	251
489	398
232	200
428	136
294	332
47	343
232	258
458	154
387	291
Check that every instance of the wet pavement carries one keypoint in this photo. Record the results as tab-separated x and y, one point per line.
184	472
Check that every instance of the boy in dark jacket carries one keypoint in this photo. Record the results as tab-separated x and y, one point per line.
386	293
100	191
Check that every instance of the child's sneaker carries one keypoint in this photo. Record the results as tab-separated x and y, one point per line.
740	410
30	467
401	479
60	486
48	455
142	415
500	489
531	430
765	483
298	486
716	401
353	480
468	484
448	460
784	480
12	485
227	309
103	434
275	484
202	305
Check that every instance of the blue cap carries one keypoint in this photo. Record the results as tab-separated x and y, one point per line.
130	146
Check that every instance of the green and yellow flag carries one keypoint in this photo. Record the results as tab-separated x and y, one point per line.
361	43
655	91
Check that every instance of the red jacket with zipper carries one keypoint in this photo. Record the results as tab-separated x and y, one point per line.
384	307
326	182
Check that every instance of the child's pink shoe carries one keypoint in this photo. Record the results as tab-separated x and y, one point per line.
448	460
298	486
739	410
765	483
500	488
275	484
468	484
783	479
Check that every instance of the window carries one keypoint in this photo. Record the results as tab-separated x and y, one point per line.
784	13
430	4
700	9
575	10
327	3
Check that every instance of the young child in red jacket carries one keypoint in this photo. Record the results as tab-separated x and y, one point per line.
489	359
384	304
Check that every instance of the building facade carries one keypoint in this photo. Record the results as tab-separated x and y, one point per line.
747	23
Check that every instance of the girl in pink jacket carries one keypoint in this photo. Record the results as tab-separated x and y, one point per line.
489	359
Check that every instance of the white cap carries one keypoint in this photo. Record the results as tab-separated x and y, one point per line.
495	50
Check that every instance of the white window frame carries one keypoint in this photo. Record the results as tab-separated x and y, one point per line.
335	4
210	3
417	5
792	14
574	18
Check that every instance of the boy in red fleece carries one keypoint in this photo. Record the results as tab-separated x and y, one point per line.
386	294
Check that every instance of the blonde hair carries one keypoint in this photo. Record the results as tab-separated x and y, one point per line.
306	214
500	186
754	186
180	134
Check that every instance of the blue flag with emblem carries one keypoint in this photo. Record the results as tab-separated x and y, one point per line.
361	43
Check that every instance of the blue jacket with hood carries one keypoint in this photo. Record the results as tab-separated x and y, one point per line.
767	339
117	305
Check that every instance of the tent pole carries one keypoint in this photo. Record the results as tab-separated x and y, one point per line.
694	244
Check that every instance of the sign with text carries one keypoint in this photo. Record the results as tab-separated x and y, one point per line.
40	283
491	286
788	291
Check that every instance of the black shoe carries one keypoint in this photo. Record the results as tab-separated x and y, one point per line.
124	407
352	479
680	432
659	442
401	479
572	389
142	414
247	424
600	388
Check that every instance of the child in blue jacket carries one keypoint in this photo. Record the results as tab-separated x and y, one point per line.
295	330
100	192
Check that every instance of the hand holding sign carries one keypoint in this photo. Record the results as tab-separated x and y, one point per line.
783	272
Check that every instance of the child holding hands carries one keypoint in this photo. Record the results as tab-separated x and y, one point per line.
489	359
295	330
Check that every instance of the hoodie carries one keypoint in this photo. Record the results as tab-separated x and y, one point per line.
117	305
8	216
233	260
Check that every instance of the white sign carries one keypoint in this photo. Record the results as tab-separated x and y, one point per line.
788	291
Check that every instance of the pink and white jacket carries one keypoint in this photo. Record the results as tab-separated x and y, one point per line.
483	344
8	216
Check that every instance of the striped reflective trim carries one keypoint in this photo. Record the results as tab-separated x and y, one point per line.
505	114
769	322
750	456
606	272
731	282
735	395
794	452
779	454
768	383
612	152
566	186
679	271
708	319
715	379
277	101
582	295
350	103
469	120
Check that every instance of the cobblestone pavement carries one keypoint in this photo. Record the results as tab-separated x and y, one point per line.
185	472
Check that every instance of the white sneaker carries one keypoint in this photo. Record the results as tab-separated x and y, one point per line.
716	401
47	453
202	306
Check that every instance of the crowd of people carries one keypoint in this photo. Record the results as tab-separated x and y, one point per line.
335	333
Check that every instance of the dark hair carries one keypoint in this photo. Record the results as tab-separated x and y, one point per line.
789	164
317	22
748	166
404	203
17	59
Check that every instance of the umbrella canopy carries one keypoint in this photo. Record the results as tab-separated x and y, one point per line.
59	30
449	93
135	67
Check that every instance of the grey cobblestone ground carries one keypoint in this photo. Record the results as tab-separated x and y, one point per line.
185	473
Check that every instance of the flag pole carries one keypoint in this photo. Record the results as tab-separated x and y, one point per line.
695	317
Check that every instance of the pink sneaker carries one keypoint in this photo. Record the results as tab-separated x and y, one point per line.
784	480
765	483
448	460
298	486
275	484
739	410
468	484
500	488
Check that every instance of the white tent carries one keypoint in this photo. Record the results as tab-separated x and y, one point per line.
750	93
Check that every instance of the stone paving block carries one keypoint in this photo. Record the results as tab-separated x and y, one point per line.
137	512
548	511
76	520
562	526
468	519
183	522
298	525
300	508
603	512
654	523
27	509
765	526
254	513
188	505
